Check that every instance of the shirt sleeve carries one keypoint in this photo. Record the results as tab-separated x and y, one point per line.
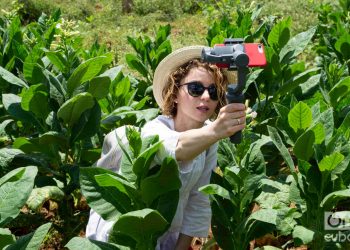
111	153
197	214
169	137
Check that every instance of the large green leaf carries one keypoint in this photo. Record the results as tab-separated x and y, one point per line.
318	130
135	63
282	122
327	120
31	241
300	117
12	104
8	77
57	59
162	35
6	157
33	72
117	115
226	153
15	188
279	35
254	159
72	109
122	89
120	183
78	243
310	84
303	147
243	27
221	226
287	220
166	204
163	50
4	125
88	124
99	86
53	138
296	45
108	202
6	237
276	139
344	128
302	235
32	145
339	91
35	99
86	71
57	90
214	189
330	162
125	112
166	180
134	139
305	77
143	162
112	73
260	223
40	195
332	199
343	45
141	224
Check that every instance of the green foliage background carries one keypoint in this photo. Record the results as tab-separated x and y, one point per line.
67	82
103	20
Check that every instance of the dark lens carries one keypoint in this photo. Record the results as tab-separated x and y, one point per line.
195	89
213	93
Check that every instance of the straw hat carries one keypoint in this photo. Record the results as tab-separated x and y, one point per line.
170	64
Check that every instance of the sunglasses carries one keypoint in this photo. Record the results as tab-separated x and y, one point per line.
196	89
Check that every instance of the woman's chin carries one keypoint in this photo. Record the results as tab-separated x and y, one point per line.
204	115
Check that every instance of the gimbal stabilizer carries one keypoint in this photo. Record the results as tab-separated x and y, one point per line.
231	55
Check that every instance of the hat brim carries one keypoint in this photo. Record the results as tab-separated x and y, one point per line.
169	65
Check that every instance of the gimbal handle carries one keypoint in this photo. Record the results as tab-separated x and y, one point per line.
235	94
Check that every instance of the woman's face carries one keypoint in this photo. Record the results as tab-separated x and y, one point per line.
194	111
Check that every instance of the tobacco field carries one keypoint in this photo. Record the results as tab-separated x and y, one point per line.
286	186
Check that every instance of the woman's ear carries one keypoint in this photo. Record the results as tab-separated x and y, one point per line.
176	99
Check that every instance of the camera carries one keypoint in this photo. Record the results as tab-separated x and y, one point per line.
234	53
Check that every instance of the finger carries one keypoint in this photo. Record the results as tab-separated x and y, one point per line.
231	107
237	114
235	129
238	121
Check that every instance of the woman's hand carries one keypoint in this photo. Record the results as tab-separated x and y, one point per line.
230	120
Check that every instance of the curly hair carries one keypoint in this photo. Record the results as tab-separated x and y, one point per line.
171	90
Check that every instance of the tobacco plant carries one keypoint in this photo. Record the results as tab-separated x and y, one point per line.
51	111
149	53
233	191
15	188
321	168
141	198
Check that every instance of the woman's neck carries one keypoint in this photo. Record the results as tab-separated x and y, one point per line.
181	125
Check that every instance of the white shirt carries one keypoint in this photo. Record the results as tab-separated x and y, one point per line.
193	213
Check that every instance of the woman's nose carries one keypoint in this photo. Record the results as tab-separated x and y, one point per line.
205	95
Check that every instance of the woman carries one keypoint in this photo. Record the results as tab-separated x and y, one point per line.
189	93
